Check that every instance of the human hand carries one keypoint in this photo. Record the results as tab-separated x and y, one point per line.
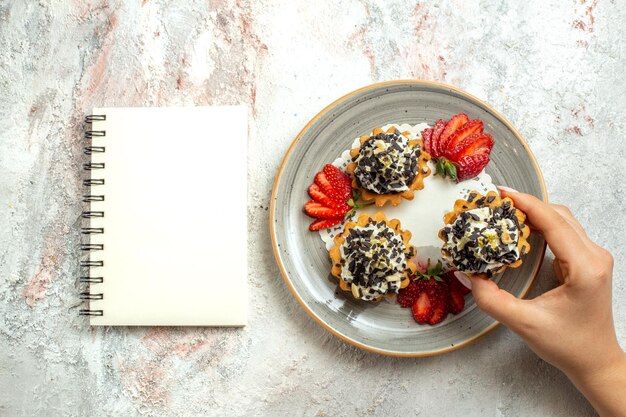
570	326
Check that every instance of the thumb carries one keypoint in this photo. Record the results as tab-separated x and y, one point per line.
499	304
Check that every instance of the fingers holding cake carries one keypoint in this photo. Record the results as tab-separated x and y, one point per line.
564	240
500	304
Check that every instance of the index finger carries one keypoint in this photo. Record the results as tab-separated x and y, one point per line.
564	241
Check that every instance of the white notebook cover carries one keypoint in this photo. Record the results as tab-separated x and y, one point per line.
175	216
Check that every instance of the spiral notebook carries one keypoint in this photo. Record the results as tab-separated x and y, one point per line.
165	222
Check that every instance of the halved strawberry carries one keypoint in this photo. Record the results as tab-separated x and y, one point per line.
315	209
340	182
453	125
427	135
470	166
323	224
471	145
422	309
318	195
437	129
456	300
468	129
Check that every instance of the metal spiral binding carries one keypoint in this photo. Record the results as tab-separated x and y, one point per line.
89	197
90	214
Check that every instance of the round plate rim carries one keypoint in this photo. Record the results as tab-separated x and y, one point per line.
284	274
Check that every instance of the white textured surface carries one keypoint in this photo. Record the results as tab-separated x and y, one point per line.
554	68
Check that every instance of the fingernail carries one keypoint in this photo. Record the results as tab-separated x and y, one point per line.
463	279
507	189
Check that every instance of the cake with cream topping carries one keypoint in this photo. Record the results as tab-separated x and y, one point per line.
372	257
484	235
388	166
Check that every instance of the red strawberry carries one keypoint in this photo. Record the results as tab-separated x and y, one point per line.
471	145
453	125
422	309
406	296
434	294
435	299
468	129
318	195
470	166
456	300
431	286
462	149
437	129
483	150
322	181
456	285
315	209
323	224
340	181
440	311
427	135
333	198
437	291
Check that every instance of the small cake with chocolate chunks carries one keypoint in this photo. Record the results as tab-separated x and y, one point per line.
484	235
372	257
388	166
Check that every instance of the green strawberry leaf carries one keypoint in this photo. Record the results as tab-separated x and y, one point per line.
440	167
434	272
446	168
451	170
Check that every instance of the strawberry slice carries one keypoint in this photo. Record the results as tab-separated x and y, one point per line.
422	309
471	145
339	181
470	166
456	300
315	209
440	311
483	150
453	125
318	195
322	181
436	290
323	224
437	129
468	129
427	135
